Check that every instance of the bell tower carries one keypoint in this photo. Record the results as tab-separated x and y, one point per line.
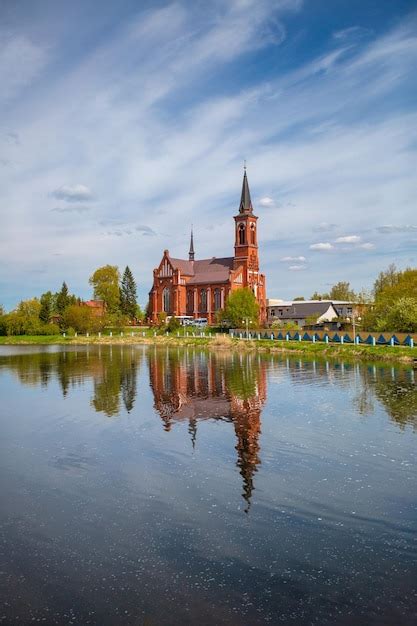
246	236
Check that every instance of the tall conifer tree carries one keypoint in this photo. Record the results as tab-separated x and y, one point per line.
128	296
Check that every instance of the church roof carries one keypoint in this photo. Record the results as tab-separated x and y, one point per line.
206	270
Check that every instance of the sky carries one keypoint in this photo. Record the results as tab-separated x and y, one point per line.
123	123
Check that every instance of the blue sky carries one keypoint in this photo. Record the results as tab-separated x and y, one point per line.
121	123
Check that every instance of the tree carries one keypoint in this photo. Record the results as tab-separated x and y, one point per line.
394	308
386	279
320	296
299	298
46	310
173	324
241	305
2	311
63	299
105	282
342	291
128	304
81	318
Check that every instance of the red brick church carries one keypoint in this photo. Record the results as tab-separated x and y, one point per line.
200	288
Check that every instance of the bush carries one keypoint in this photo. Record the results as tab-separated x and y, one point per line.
173	325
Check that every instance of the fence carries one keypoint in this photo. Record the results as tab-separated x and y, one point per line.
340	337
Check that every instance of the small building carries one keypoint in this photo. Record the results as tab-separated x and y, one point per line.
97	307
299	311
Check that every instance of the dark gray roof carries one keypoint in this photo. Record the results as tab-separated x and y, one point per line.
301	310
245	200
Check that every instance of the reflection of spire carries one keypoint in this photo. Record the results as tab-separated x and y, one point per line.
248	428
192	429
128	384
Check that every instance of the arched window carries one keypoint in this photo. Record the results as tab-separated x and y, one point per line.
203	298
253	234
166	297
190	302
217	299
242	234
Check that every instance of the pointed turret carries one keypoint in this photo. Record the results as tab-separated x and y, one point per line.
245	200
191	252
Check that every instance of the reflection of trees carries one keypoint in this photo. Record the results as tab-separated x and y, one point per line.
398	394
192	386
113	371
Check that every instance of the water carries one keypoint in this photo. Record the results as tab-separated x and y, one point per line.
152	486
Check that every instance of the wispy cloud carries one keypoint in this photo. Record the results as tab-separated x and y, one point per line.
293	258
392	228
348	239
73	193
297	268
322	246
71	209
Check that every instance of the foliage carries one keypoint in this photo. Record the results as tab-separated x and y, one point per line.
299	298
63	299
139	314
162	319
128	304
395	306
116	320
173	324
339	291
105	282
47	306
81	318
241	305
24	320
319	296
2	310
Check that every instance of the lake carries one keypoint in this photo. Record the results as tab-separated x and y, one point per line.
155	486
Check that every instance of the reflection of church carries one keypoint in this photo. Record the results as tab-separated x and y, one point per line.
190	387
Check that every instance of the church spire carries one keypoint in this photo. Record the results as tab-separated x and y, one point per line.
191	252
245	200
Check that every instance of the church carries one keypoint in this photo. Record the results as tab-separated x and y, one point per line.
200	288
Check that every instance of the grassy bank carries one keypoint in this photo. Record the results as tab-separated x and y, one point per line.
397	354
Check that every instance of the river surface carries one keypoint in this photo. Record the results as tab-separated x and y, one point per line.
146	486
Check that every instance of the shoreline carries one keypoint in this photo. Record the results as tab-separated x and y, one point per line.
395	354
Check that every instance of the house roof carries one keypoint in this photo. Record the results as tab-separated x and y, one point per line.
206	270
300	309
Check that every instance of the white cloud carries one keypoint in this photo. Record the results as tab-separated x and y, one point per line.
21	61
322	246
293	258
266	201
367	246
73	193
71	209
297	268
348	239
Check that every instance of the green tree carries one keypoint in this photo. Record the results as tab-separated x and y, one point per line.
128	304
394	308
46	310
173	324
299	298
386	279
63	299
342	291
105	282
81	318
241	305
320	296
2	310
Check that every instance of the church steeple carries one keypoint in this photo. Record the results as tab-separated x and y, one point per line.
191	252
245	199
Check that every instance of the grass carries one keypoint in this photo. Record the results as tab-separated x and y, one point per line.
224	342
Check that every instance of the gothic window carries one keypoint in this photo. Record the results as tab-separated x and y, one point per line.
190	302
203	296
166	296
242	235
217	299
252	234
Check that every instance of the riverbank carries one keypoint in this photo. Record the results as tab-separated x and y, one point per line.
399	354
